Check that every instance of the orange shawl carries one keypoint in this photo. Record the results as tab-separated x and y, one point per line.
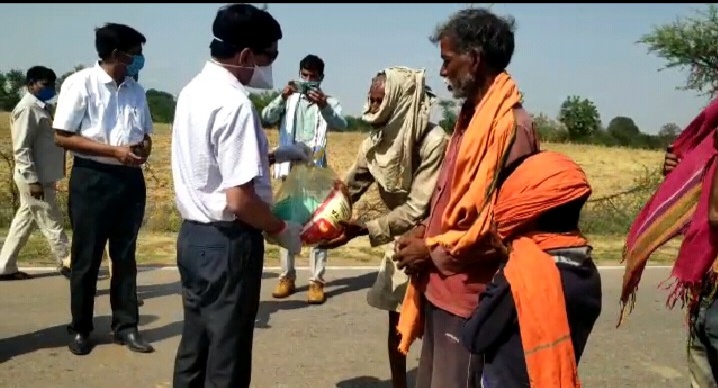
542	182
482	153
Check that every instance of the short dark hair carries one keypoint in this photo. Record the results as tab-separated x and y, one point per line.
115	36
481	30
240	26
40	73
312	63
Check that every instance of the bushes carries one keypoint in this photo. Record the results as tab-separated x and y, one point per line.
613	214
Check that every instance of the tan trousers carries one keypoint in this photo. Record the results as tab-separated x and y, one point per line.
43	213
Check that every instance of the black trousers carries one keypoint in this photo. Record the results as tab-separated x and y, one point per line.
107	202
220	267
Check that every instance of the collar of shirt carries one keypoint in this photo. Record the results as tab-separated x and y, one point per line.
218	73
32	99
105	78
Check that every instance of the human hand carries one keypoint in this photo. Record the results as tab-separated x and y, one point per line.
350	230
318	97
669	162
291	153
288	90
142	149
36	191
416	232
414	257
147	146
127	157
287	238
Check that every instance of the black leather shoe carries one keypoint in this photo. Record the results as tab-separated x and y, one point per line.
80	345
134	342
65	271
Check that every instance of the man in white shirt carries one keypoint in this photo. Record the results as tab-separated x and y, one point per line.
39	164
103	118
220	171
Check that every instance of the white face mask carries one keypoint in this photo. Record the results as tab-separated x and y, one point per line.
261	78
261	75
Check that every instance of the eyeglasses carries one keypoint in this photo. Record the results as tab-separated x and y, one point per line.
271	54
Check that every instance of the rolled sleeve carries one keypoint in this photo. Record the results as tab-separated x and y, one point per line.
332	114
359	179
272	113
71	105
235	138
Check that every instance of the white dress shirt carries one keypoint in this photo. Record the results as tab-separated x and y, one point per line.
92	105
217	143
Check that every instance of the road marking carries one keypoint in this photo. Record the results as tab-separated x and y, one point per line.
306	268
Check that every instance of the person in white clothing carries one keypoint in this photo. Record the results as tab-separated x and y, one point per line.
220	172
39	164
102	116
304	114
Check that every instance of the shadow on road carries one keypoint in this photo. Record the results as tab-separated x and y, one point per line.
58	337
267	308
347	284
150	291
373	382
334	288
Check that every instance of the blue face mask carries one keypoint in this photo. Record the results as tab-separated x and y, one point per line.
45	94
138	62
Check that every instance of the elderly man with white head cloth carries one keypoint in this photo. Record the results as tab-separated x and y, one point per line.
402	155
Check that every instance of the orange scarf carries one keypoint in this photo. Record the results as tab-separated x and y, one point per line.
468	215
482	153
542	182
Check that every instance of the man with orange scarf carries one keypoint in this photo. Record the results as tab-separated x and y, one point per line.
444	255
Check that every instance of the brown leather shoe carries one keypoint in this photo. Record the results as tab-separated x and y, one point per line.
285	287
315	294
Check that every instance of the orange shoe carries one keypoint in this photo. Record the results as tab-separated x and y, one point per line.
315	294
284	289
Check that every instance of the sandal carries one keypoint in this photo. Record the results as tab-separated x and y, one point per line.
15	276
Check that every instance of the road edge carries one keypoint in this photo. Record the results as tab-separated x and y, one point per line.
144	268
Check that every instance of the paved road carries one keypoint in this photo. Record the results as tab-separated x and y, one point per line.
339	344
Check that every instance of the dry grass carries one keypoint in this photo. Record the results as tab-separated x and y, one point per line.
610	170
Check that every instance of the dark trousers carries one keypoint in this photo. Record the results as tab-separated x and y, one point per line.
444	362
220	267
106	202
703	342
505	364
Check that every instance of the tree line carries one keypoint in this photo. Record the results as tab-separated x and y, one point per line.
578	119
686	44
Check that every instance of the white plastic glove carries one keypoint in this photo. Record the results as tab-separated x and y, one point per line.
287	238
298	152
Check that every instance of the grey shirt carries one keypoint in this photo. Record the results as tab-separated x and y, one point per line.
406	210
37	158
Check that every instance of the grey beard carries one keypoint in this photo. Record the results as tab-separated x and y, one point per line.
464	87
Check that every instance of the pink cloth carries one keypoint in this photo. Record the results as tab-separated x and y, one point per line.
666	214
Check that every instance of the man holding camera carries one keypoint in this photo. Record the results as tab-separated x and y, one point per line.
304	114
